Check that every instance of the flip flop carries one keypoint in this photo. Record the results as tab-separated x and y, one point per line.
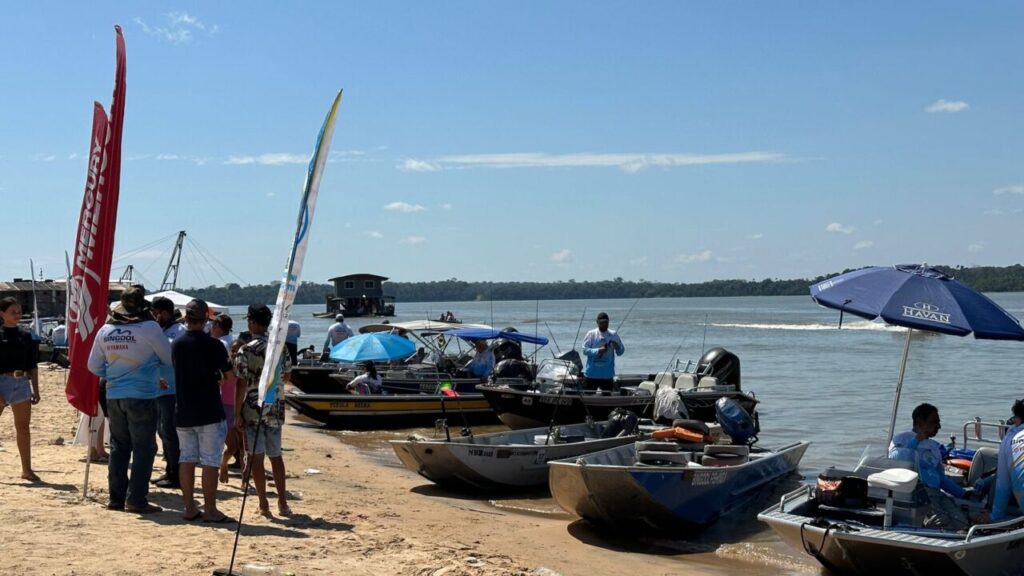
222	520
192	518
99	459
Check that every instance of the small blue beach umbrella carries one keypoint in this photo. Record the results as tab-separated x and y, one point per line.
917	298
373	347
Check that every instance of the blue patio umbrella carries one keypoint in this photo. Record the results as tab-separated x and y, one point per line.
373	347
918	298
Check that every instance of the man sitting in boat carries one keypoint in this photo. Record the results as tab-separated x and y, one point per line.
482	363
1010	470
366	383
916	445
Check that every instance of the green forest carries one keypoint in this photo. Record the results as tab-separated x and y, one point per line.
984	278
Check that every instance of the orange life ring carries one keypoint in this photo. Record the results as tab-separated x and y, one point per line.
678	433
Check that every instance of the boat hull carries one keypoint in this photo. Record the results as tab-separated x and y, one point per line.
529	408
352	412
858	550
325	378
654	498
464	463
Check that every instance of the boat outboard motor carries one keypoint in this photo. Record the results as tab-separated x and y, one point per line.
572	356
511	368
735	421
722	364
621	422
506	350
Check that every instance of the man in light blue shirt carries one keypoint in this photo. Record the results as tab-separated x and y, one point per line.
601	346
291	340
338	332
129	352
916	445
1010	471
482	363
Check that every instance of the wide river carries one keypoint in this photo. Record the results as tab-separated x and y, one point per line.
833	387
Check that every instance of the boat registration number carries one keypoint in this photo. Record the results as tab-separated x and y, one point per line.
350	405
705	478
558	401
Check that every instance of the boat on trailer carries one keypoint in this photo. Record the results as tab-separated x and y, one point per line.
881	531
509	460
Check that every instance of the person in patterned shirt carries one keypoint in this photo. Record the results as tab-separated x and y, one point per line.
248	415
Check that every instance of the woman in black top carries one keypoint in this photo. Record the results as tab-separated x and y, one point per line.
19	380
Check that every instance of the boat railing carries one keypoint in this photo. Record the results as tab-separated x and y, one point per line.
802	490
1005	524
974	431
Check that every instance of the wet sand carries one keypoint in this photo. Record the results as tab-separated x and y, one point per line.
356	511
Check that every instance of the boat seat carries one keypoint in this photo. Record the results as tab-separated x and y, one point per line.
663	380
686	381
646	387
895	482
722	455
707	383
986	460
662	458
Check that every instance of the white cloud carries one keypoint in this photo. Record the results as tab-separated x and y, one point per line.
877	222
976	247
404	207
413	165
837	228
136	157
168	157
178	29
757	236
271	194
863	244
272	159
993	212
692	258
629	162
641	261
950	106
413	240
41	157
374	234
1012	189
74	156
562	256
446	206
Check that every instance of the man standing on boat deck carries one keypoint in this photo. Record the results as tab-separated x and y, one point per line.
916	445
291	340
338	332
601	346
1010	471
128	353
163	313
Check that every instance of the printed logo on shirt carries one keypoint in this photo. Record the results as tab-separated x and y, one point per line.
119	339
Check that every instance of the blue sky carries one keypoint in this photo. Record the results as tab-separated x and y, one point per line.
670	141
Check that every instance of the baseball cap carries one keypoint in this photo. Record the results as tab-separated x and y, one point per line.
339	317
196	310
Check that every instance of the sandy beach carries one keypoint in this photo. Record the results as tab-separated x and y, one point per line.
354	516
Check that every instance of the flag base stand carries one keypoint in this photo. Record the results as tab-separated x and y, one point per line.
228	572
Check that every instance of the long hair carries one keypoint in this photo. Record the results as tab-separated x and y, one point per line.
371	369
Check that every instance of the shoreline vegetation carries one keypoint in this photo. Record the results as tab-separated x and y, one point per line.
982	278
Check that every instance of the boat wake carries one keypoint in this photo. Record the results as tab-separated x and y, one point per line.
856	325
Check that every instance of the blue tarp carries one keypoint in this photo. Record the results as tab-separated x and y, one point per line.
473	334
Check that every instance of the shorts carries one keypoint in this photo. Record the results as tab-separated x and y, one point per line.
269	441
15	390
202	444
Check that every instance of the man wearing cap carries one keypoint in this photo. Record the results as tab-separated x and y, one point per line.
482	363
601	346
200	364
338	332
163	313
262	426
128	353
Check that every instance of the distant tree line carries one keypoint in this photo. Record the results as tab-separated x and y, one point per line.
984	278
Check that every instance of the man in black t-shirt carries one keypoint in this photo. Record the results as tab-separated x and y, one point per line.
200	363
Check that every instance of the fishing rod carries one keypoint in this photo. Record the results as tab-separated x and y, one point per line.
626	317
704	341
552	334
578	328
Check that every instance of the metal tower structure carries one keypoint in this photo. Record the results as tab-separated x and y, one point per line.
172	266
